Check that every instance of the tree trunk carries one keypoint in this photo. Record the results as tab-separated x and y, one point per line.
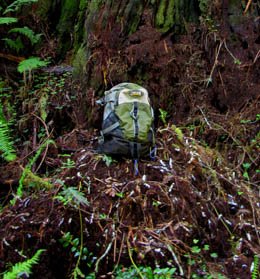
142	41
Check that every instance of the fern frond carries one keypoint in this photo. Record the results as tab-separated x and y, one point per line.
8	20
73	196
28	32
30	64
6	145
255	271
23	267
27	169
16	5
17	44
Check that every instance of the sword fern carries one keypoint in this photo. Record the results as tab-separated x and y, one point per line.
23	268
6	144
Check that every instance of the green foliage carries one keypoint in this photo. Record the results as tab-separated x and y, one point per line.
8	20
6	144
30	64
108	160
72	196
246	167
204	6
22	269
27	169
178	132
16	44
16	5
68	164
29	33
68	240
163	115
255	272
147	273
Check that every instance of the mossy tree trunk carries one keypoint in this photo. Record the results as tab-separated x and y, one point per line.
109	24
135	40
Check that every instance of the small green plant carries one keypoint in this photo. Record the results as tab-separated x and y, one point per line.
23	269
6	144
28	167
108	160
28	65
246	167
196	259
147	273
255	269
17	44
68	240
163	115
68	164
72	196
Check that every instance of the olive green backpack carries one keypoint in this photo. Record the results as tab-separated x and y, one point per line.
127	128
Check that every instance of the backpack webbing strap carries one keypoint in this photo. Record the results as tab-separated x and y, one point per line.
111	128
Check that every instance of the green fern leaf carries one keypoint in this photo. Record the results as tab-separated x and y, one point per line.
255	271
30	64
17	44
23	267
73	196
29	33
16	5
8	20
6	145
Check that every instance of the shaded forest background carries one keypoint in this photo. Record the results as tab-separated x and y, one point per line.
191	213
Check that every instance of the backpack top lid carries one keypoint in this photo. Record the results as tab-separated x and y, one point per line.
127	93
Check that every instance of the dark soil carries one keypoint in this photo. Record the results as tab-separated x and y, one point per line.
195	193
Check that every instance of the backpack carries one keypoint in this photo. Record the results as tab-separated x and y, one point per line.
127	127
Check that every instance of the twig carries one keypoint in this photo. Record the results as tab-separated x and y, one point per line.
206	120
48	136
175	259
257	56
103	256
209	79
247	6
132	261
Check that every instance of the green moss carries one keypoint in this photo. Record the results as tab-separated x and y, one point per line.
159	17
79	27
168	14
204	7
172	11
132	15
68	14
79	62
43	8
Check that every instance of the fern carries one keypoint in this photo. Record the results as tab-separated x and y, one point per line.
16	5
30	64
255	271
17	44
23	268
29	166
29	33
73	196
8	20
6	145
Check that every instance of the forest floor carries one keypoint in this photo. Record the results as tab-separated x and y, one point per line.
194	209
